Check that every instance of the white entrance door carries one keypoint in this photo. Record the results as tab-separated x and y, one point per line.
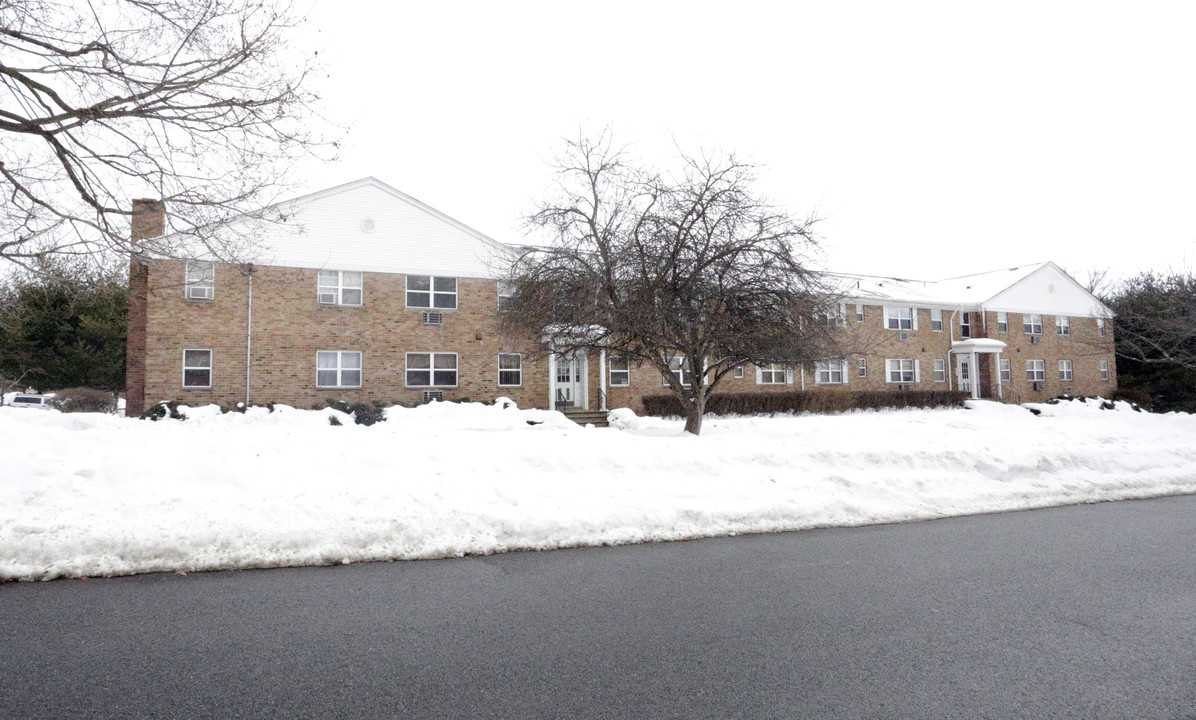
571	381
963	372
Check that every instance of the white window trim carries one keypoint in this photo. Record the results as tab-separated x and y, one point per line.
1065	370
339	288
936	317
1035	371
1100	327
679	371
432	292
829	368
341	369
893	313
502	370
1062	325
610	369
210	367
206	279
859	312
862	367
738	372
1002	322
965	324
431	369
773	370
940	370
901	369
1005	370
505	290
1028	322
1104	370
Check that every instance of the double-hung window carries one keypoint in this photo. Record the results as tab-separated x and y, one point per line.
1036	370
965	324
1032	324
900	318
425	369
862	367
940	370
427	291
1002	322
830	372
680	370
340	287
338	368
1006	370
739	371
620	371
510	369
1065	369
1100	327
1062	325
1104	369
200	280
197	368
830	315
901	370
506	290
859	312
936	320
770	374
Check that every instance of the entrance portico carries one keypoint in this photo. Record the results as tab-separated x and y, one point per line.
968	364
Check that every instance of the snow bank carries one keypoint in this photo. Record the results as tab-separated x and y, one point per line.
85	494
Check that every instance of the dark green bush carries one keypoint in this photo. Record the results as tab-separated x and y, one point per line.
805	401
363	413
82	399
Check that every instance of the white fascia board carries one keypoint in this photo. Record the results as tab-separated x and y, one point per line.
1048	291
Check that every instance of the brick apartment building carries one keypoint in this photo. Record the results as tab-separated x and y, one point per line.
361	292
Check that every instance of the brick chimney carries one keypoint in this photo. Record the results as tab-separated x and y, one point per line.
149	221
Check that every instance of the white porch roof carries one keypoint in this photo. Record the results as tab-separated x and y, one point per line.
978	345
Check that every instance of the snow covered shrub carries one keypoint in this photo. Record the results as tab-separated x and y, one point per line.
363	413
163	410
803	401
334	421
81	399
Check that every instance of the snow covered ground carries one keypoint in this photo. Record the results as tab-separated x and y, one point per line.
85	494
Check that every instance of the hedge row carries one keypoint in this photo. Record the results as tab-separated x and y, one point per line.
815	402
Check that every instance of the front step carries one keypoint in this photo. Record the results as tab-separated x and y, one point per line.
597	418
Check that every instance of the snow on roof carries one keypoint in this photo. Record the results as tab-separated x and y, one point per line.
964	290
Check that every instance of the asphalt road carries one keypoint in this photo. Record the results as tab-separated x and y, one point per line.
1080	612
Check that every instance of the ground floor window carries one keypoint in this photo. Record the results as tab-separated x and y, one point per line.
770	374
1035	370
829	372
1065	369
1006	370
510	370
1104	369
862	368
338	368
431	369
679	370
620	372
940	370
197	368
901	370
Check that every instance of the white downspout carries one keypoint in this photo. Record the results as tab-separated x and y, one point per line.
802	370
552	381
951	338
602	379
249	335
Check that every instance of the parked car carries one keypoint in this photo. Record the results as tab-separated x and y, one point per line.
30	400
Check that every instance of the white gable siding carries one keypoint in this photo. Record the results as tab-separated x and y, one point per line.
1048	291
325	230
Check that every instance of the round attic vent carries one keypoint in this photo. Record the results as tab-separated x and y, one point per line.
367	225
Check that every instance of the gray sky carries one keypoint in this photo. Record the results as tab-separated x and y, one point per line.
934	138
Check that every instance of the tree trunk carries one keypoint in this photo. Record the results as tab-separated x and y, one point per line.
693	416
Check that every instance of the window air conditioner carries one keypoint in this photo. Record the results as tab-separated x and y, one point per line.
903	386
1035	339
903	336
430	395
327	298
200	293
1038	386
433	318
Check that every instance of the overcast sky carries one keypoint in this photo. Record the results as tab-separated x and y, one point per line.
935	139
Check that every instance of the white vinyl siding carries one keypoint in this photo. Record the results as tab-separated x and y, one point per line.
197	368
338	368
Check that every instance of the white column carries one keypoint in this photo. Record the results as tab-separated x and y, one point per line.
552	381
1000	391
602	378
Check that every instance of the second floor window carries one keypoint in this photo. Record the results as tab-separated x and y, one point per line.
899	318
1062	325
965	325
200	280
428	291
340	287
1032	324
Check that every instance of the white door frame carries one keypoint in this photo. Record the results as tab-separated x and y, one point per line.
576	387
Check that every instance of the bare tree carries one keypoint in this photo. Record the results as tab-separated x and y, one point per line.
201	103
1156	319
689	273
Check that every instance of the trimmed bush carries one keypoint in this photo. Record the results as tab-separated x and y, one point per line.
163	410
814	402
363	413
82	399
